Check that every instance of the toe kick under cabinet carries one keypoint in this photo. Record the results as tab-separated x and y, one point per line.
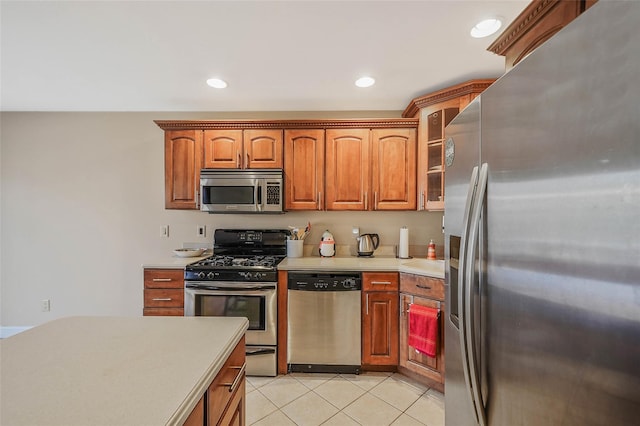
425	291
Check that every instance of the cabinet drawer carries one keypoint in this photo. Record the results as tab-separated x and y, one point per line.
419	285
379	281
163	298
163	278
230	378
163	312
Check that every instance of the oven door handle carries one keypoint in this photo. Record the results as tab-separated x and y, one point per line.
260	351
233	289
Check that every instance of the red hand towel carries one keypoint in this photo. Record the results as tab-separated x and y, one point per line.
423	329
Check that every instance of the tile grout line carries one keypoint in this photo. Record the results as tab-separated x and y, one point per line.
390	377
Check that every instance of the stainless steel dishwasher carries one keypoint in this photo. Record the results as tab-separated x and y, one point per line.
324	331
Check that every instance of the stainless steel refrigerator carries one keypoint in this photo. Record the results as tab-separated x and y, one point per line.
542	235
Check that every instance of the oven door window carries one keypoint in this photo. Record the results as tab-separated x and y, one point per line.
238	195
250	307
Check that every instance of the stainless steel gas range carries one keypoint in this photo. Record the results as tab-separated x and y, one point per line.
240	279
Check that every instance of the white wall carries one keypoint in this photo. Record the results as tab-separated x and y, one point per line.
82	203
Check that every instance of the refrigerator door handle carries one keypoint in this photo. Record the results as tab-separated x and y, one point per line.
469	313
461	291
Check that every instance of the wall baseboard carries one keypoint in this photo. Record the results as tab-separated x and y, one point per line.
10	331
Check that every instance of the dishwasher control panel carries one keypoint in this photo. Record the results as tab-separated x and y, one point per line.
323	281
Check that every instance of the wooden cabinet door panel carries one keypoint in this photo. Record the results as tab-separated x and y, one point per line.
222	149
394	169
304	169
432	368
236	410
182	164
347	169
218	395
262	149
380	328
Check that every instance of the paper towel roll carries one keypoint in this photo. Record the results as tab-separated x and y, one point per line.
403	246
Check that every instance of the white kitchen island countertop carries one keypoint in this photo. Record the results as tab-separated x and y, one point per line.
419	266
113	370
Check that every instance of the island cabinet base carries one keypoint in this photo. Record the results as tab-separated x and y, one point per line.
224	401
225	397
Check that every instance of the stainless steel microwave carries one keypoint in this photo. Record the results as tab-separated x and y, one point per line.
241	191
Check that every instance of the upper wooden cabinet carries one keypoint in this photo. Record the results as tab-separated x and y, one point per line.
537	23
304	169
393	159
223	149
347	169
328	164
435	111
371	170
262	149
182	164
238	149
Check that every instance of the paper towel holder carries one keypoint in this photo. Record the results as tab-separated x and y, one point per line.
403	245
398	256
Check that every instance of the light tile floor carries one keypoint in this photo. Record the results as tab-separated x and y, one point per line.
369	399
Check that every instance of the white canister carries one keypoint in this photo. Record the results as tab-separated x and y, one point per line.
295	248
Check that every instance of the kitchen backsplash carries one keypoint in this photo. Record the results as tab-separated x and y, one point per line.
423	226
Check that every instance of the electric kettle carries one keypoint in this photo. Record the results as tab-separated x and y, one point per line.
367	243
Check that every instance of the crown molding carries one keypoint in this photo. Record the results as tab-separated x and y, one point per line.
466	88
528	18
285	124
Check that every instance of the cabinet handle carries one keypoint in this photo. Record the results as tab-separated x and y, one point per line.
198	199
234	384
366	204
162	299
381	282
162	280
239	162
366	303
375	200
422	200
246	165
319	202
423	287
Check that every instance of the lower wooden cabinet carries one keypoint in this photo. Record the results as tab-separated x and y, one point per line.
163	292
226	394
196	418
224	401
424	291
380	320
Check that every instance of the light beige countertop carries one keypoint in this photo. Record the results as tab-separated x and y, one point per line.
113	370
419	266
172	262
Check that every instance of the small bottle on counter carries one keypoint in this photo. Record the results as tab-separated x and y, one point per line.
431	251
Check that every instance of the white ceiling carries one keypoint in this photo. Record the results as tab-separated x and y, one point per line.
275	55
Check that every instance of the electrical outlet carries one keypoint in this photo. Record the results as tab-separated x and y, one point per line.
164	231
202	231
46	305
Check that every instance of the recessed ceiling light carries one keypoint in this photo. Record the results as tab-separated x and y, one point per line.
486	28
365	82
217	83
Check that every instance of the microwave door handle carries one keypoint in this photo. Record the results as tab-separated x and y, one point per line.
259	198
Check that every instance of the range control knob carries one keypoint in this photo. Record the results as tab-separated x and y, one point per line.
201	275
211	275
